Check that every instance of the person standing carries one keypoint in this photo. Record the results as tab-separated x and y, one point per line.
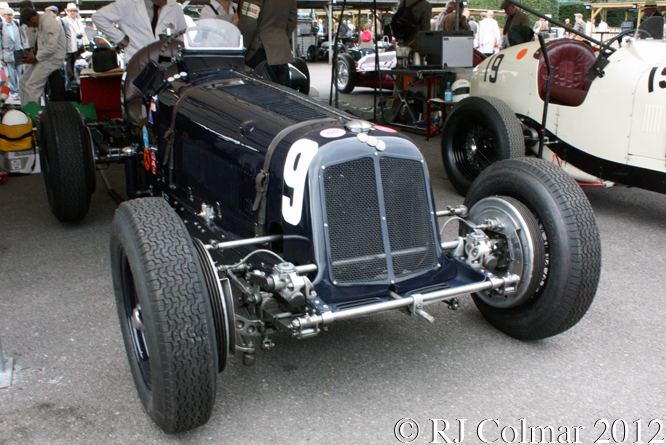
10	41
267	26
50	54
74	29
579	26
140	22
449	22
450	7
489	34
474	27
422	11
29	35
650	9
514	19
221	10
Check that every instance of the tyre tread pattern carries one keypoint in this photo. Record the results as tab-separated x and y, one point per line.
179	307
513	129
68	180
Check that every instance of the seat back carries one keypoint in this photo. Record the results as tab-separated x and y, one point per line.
570	60
136	64
477	57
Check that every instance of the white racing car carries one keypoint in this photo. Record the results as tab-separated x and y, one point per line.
605	119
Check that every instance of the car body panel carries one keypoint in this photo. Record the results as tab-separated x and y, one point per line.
621	120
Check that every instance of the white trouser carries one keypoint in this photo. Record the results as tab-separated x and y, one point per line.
33	81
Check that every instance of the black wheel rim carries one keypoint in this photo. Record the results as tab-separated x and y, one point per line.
134	326
473	149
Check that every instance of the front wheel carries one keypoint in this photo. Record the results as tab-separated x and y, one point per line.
479	131
345	80
165	314
548	237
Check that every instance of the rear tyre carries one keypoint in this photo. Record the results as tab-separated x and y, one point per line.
478	132
301	66
345	81
165	314
568	232
55	87
67	161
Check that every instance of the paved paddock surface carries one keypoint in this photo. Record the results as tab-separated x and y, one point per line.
352	384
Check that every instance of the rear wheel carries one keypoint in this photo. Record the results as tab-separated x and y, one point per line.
67	161
301	66
345	80
165	314
478	132
565	259
55	87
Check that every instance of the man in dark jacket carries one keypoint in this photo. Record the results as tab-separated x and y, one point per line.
422	12
267	26
514	19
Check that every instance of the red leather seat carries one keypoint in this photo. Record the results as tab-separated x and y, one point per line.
477	57
570	60
131	94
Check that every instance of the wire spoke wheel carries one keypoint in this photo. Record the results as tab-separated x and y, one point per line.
478	132
474	149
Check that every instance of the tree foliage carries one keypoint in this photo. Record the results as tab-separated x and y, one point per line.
542	6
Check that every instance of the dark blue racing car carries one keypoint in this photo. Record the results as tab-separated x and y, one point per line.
258	210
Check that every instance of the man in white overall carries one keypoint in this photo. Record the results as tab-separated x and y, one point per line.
50	56
140	22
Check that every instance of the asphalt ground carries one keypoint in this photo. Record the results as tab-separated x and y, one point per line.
354	383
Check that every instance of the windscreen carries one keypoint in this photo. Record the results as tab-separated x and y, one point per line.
213	34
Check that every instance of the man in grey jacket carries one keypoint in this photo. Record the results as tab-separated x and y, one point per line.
266	26
10	42
50	55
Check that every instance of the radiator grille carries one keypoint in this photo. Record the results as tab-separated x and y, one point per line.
408	216
354	224
354	218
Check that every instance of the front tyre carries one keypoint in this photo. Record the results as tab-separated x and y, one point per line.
570	263
479	131
165	314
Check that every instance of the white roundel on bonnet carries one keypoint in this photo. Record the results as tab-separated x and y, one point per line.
14	117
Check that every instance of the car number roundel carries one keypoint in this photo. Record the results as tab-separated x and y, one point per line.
296	167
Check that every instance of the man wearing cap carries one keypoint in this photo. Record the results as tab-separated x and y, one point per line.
10	40
514	19
140	22
50	55
580	24
650	9
74	29
29	34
